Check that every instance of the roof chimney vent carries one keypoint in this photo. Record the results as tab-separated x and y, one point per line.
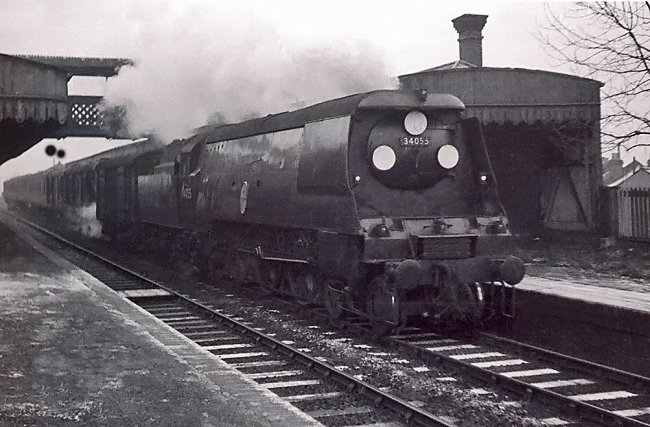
470	43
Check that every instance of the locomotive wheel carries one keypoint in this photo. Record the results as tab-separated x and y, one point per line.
270	275
334	300
382	304
304	285
472	302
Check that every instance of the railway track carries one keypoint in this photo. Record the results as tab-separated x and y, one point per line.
582	390
579	388
324	392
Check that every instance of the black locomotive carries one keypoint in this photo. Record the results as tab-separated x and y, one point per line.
376	204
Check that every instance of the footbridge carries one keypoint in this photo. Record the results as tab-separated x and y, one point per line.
34	101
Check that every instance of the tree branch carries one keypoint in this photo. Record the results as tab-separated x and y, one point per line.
610	42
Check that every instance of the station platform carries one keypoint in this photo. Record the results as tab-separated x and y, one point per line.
618	292
73	352
599	317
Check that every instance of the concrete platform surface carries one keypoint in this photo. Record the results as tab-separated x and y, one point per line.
616	292
72	352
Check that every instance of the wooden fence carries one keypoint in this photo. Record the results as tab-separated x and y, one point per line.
629	213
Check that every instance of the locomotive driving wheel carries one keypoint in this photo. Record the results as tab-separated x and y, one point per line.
304	285
382	304
334	299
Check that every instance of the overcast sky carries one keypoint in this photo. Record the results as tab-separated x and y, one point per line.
201	58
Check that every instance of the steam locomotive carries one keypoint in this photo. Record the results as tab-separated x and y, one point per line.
377	204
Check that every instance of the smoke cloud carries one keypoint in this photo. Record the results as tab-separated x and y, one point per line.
85	221
197	68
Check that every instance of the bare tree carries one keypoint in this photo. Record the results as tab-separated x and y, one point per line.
609	42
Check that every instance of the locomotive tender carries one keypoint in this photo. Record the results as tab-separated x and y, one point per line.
376	204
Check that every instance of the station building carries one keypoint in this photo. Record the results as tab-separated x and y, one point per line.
542	131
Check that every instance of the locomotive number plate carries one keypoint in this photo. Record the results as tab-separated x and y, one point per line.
414	141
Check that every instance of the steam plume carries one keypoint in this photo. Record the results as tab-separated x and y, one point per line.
85	221
191	72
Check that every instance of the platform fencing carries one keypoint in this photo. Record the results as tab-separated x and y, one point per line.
629	213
